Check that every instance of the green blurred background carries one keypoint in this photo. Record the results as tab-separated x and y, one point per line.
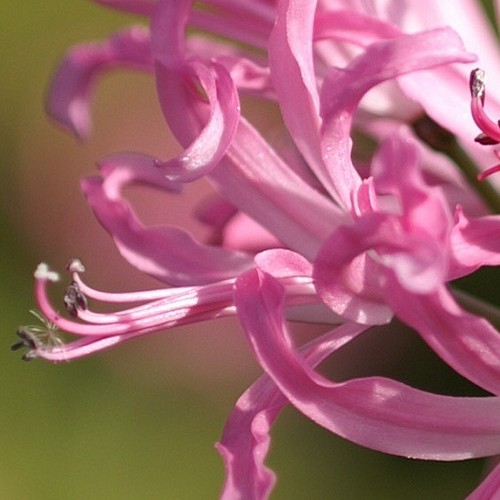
139	422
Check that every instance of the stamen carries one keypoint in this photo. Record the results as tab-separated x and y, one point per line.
477	85
43	272
74	300
26	339
490	130
75	266
37	338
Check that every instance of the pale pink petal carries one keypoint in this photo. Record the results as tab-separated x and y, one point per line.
282	263
256	180
244	233
167	253
353	27
396	167
348	280
343	89
375	412
292	70
489	489
475	243
71	88
245	440
441	91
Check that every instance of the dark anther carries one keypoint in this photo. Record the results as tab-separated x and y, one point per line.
26	340
485	140
476	84
433	134
74	299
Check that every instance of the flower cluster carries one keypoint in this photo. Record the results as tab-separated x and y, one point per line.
307	229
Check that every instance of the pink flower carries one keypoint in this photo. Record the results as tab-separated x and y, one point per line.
306	230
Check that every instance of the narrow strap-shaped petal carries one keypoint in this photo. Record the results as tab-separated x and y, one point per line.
475	243
251	175
353	27
292	70
441	91
489	489
466	342
375	412
69	95
349	281
245	440
343	89
256	180
167	253
205	152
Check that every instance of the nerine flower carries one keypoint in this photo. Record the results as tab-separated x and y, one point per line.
326	238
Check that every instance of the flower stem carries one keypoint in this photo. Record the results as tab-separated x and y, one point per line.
478	306
443	141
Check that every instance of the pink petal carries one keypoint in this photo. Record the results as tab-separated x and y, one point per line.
282	263
441	91
347	279
375	412
245	440
251	176
69	95
352	27
256	180
292	71
489	489
205	152
167	253
244	233
468	343
343	89
474	243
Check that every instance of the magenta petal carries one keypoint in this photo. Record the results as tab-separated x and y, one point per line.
167	253
69	95
245	441
489	489
375	412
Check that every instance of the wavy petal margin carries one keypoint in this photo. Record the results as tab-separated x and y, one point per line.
167	253
245	440
375	412
71	88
